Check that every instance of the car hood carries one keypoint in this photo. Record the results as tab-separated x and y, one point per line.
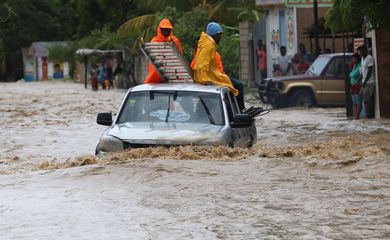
164	133
294	77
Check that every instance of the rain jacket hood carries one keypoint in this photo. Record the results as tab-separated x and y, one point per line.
206	67
153	76
165	23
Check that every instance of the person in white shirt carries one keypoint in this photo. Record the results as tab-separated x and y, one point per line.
283	63
368	81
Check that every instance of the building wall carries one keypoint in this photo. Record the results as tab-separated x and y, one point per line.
287	26
383	53
140	69
305	19
246	53
280	31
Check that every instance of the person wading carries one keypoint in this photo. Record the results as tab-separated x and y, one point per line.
164	34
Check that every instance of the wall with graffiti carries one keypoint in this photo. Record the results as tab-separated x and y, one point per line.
38	66
281	31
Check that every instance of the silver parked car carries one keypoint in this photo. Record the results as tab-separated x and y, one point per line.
177	114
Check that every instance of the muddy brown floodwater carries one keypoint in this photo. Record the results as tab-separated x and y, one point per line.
312	175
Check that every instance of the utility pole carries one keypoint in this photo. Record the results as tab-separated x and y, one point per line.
85	71
316	40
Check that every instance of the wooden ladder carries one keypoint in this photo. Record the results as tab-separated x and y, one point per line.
168	61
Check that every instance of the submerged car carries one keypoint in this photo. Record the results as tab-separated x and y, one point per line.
171	114
322	84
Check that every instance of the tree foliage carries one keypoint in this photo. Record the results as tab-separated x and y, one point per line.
29	21
349	14
197	20
114	24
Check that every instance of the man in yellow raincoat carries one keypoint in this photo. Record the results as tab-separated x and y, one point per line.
206	69
164	34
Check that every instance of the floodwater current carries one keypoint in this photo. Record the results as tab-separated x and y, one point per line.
313	174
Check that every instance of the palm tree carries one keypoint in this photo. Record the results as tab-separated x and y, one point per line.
344	16
349	14
217	10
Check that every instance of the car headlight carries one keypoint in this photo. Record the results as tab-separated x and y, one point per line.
110	144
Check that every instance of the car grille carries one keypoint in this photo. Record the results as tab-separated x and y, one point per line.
127	145
266	88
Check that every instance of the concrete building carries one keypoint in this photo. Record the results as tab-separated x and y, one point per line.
378	42
37	65
283	25
291	26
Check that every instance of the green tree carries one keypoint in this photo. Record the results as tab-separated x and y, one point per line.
227	12
99	14
190	18
29	21
349	14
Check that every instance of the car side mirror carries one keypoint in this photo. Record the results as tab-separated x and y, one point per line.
242	120
104	119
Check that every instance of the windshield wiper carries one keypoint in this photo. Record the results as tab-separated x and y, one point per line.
169	108
207	110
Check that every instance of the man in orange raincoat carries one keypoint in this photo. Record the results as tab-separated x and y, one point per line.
207	69
164	34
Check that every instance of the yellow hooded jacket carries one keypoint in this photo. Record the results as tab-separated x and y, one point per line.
206	67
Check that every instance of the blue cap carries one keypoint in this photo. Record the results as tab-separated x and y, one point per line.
213	28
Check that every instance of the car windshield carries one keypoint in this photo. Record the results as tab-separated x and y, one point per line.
173	106
318	66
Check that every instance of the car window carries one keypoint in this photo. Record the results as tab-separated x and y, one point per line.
172	106
318	66
228	106
336	68
233	103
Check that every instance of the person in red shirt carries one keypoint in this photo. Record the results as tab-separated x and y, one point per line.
261	59
299	65
164	34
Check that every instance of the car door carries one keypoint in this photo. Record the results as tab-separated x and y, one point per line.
238	134
333	82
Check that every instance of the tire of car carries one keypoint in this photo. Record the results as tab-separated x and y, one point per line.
301	98
250	144
97	150
260	94
277	104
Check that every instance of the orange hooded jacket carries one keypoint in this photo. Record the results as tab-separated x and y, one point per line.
217	58
153	76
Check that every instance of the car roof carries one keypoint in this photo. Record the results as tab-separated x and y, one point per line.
193	87
330	55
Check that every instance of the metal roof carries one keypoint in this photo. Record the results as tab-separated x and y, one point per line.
87	52
335	55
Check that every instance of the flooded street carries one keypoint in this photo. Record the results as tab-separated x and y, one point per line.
312	175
